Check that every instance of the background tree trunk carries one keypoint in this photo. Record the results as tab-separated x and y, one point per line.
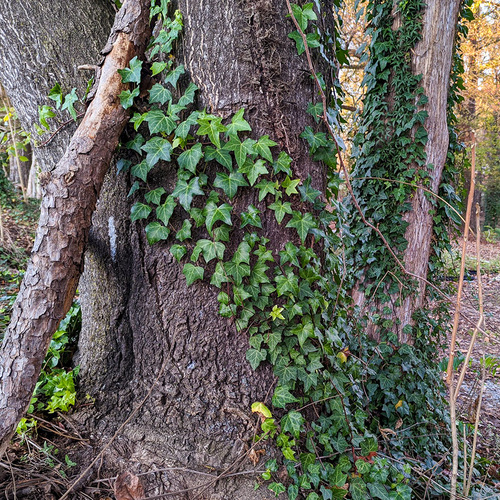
44	43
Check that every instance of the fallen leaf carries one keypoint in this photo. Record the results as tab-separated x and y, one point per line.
254	455
128	487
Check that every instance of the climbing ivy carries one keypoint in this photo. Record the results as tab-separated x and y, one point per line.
337	393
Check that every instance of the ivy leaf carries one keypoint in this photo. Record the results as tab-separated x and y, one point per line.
156	232
255	357
303	223
188	96
282	164
137	119
184	127
277	488
238	124
127	97
288	283
242	253
141	170
211	126
266	187
253	169
210	250
159	93
281	209
164	212
136	143
262	146
157	148
259	273
185	192
44	113
289	254
314	140
158	67
55	93
292	422
215	213
303	14
369	445
69	100
159	122
237	270
240	149
219	276
133	189
308	193
178	251
229	183
290	185
220	155
251	218
192	273
221	233
132	74
184	232
190	158
173	76
282	397
139	211
122	165
357	489
155	195
378	490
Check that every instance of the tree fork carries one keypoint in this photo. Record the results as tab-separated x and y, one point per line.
70	196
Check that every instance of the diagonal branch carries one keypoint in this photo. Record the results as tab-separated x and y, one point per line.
70	196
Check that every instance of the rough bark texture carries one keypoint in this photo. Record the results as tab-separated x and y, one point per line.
432	58
71	192
138	312
43	43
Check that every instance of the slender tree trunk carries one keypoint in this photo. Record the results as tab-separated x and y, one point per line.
71	192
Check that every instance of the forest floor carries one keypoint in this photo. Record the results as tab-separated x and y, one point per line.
42	463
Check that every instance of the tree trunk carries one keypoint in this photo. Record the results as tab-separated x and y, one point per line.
71	192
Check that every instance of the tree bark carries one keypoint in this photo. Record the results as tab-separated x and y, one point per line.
71	192
137	311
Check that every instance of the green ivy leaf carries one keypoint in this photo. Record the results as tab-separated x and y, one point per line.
266	187
185	232
238	124
122	165
158	67
188	96
190	158
219	276
242	253
282	397
357	489
173	76
136	143
241	149
139	211
215	213
369	445
159	93
210	250
253	169
315	140
262	146
178	251
132	74
141	170
44	113
159	122
308	193
192	273
185	192
237	270
288	283
303	15
303	223
69	100
55	93
127	97
211	126
255	357
292	422
156	232
277	488
315	110
282	164
289	254
251	218
290	185
229	183
221	233
220	155
164	212
184	127
155	195
281	209
157	149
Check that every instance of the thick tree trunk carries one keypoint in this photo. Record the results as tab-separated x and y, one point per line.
71	192
44	43
138	312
